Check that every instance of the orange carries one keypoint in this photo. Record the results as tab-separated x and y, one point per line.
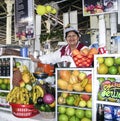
88	87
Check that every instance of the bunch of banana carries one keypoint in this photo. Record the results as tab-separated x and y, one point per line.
37	92
18	95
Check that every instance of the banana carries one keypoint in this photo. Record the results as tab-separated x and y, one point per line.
40	90
84	82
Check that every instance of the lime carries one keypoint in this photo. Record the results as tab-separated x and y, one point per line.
113	70
100	60
109	61
6	81
1	81
117	61
102	69
8	86
3	86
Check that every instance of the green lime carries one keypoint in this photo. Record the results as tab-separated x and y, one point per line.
8	86
3	86
113	70
109	61
117	61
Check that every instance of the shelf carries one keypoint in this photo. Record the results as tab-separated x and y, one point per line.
74	92
4	91
108	103
77	107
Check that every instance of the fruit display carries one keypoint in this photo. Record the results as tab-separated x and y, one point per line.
84	58
107	78
75	80
72	114
78	100
74	94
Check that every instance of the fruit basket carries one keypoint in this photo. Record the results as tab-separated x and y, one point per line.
23	111
84	58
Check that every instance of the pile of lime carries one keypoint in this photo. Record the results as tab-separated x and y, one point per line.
4	84
108	65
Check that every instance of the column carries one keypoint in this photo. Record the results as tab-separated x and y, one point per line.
9	20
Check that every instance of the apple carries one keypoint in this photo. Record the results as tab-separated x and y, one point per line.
85	119
89	104
82	103
62	117
61	100
88	114
62	109
82	76
80	113
89	76
74	118
85	97
70	100
70	111
64	94
22	83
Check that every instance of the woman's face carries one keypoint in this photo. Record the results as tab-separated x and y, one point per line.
72	38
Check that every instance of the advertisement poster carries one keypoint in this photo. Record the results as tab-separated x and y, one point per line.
97	7
24	20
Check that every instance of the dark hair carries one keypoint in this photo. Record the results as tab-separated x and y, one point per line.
71	31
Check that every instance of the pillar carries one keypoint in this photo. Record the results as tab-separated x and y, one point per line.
9	21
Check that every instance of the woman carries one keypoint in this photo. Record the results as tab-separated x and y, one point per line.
64	53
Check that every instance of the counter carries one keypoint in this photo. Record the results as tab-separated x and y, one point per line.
8	116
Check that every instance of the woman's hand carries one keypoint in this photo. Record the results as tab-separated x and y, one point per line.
34	59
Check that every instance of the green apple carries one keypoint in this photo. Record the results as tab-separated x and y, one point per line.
80	113
89	104
88	114
70	100
62	109
85	119
82	103
74	118
70	111
62	117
